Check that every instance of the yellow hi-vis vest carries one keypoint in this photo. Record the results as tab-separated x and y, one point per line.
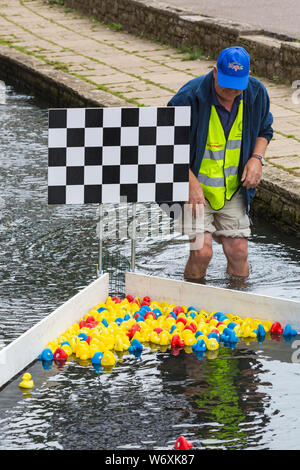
218	172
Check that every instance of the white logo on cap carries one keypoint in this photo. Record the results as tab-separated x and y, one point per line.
235	66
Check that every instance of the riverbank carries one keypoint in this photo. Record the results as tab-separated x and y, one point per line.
73	60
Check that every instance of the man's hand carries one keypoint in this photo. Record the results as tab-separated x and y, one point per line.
252	173
196	195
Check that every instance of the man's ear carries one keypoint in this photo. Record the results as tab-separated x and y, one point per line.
215	72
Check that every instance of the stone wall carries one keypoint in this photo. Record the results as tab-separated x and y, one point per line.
277	200
270	57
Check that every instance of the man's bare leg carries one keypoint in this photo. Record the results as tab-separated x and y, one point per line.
236	252
199	259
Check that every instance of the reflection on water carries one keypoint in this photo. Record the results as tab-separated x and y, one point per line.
242	398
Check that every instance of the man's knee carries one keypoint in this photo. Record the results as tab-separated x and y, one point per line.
203	255
236	249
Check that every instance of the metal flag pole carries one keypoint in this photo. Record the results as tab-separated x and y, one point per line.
100	265
132	263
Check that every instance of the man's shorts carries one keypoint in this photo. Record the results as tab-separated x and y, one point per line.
230	221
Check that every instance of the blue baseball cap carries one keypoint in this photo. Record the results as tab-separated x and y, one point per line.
233	68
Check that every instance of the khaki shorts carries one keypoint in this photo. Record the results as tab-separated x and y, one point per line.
230	221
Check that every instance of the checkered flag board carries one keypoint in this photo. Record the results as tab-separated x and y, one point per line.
102	155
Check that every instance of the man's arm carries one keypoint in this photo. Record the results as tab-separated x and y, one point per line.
253	169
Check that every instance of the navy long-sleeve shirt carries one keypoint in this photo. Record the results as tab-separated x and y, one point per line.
257	120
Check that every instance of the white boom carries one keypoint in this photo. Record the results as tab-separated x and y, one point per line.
25	349
218	299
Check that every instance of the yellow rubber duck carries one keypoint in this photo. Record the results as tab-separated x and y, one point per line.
267	325
121	344
82	350
188	338
212	344
108	359
164	338
154	337
67	349
26	381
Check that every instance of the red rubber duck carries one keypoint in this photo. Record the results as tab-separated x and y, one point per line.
182	444
60	355
150	313
177	310
276	329
130	333
177	342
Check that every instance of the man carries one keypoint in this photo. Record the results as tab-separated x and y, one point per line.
230	130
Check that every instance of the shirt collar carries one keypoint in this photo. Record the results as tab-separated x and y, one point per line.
215	100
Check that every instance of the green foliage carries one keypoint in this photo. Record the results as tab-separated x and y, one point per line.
191	52
57	2
115	26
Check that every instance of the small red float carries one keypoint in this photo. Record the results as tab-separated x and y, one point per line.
60	355
182	444
276	329
176	342
150	313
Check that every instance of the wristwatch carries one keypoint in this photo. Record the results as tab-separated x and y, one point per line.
259	157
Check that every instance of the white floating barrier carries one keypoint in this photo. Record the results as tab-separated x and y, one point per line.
218	299
25	349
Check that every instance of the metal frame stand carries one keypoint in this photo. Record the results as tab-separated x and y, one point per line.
133	240
99	265
132	263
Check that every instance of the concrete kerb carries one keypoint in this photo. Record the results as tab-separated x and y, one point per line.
60	88
272	56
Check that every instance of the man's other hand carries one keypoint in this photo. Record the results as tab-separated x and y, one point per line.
252	173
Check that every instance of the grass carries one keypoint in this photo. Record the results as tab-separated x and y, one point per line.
191	52
61	66
57	2
288	136
292	171
54	63
118	28
112	26
108	90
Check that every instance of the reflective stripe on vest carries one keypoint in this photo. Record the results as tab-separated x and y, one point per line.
218	172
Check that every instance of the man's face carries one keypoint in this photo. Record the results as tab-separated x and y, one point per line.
227	94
